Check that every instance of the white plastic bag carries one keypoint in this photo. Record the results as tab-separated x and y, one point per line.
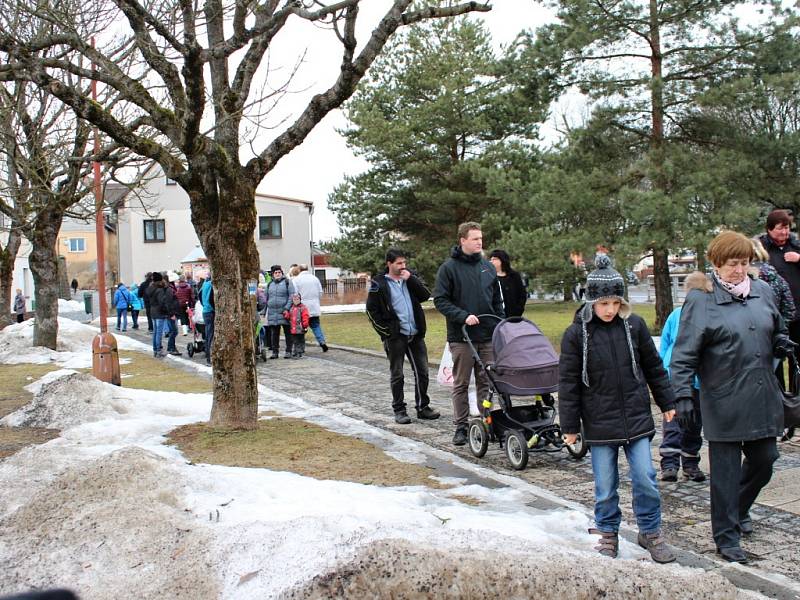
445	377
198	312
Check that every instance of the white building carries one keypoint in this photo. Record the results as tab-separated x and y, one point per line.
155	231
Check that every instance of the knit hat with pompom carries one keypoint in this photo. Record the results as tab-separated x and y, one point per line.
605	283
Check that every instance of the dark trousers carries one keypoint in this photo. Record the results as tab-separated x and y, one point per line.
736	485
135	318
208	320
275	338
397	350
149	318
682	446
172	323
20	317
298	344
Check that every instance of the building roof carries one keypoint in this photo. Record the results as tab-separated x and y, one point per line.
196	255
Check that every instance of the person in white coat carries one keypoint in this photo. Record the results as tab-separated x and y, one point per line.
310	290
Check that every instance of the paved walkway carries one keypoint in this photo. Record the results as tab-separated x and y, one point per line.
356	384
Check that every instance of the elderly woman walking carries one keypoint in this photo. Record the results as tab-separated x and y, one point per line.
729	337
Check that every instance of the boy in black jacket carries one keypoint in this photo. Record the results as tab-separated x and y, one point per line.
608	359
393	308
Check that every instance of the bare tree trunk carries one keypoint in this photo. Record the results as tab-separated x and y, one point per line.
660	254
228	239
662	282
44	268
8	257
700	257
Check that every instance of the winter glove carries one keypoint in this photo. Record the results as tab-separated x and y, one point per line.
783	347
685	414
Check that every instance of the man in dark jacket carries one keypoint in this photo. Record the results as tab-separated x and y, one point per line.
467	286
144	294
784	255
394	309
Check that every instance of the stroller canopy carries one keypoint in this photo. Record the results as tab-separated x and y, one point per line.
525	362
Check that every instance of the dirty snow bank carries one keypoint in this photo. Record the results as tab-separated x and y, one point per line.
398	569
110	511
74	348
108	528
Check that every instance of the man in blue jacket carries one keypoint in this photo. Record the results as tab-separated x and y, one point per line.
207	300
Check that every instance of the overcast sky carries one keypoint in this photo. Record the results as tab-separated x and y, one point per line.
312	170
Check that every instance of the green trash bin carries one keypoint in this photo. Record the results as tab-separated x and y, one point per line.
87	302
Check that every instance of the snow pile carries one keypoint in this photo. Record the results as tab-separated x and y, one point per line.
108	528
70	306
74	345
67	401
110	511
398	569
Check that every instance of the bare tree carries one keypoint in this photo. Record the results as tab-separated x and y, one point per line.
207	61
8	256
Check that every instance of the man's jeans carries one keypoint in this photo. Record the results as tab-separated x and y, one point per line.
413	347
736	485
159	327
646	501
122	316
208	320
172	327
463	366
313	323
682	446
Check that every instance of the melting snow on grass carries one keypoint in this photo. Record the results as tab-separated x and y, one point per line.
107	508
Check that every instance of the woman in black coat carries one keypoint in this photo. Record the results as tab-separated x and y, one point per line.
728	338
514	293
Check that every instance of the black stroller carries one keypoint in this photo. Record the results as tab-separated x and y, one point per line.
525	365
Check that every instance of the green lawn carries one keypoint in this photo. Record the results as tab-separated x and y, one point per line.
354	329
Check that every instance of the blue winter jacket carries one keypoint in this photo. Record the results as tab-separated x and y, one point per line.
206	296
122	297
136	302
668	336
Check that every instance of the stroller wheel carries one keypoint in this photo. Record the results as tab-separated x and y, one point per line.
478	438
190	350
516	449
579	449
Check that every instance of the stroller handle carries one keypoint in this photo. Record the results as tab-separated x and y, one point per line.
493	316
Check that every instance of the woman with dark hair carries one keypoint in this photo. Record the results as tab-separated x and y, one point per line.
511	284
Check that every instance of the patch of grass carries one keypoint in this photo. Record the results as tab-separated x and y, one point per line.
144	372
13	379
289	444
354	329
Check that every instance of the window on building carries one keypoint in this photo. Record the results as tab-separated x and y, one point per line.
154	230
77	245
269	228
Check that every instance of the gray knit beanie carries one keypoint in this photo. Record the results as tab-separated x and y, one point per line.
605	283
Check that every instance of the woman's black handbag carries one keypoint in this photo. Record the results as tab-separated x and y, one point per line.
791	411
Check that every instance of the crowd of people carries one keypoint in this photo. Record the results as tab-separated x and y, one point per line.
174	303
718	371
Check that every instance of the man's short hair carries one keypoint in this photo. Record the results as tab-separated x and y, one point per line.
303	266
778	217
465	228
392	254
